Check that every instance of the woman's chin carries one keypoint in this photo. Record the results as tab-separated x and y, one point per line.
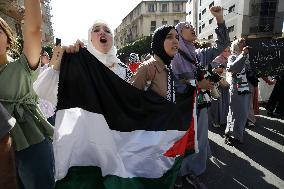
174	53
104	50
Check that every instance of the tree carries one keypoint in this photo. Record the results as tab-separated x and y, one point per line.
141	46
19	48
48	49
15	53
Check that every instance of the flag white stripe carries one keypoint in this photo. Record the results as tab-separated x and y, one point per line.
83	138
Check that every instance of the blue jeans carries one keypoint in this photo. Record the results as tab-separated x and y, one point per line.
35	166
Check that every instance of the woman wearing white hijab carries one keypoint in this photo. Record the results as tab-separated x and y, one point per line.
100	44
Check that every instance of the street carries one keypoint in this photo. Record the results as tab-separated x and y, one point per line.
256	164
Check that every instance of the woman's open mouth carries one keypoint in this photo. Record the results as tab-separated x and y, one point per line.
103	40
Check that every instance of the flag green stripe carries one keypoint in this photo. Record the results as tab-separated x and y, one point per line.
82	178
90	177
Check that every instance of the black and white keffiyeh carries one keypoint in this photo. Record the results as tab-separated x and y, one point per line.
157	47
170	84
127	72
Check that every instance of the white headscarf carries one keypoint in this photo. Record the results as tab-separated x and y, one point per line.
110	57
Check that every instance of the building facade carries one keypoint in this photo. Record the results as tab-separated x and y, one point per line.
47	30
146	17
247	18
12	12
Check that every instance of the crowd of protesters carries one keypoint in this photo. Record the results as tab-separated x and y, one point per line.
218	79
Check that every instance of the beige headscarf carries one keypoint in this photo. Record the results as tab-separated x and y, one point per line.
110	57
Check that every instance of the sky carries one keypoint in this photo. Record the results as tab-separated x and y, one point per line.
72	19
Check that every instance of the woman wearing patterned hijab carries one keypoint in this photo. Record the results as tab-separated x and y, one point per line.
188	79
100	44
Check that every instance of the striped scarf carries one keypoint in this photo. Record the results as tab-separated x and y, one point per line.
170	85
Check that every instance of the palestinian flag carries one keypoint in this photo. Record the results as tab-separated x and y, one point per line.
108	134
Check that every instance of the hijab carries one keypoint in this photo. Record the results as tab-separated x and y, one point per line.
185	46
109	58
157	45
180	64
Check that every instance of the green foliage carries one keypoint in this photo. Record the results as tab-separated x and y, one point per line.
18	48
20	44
48	49
141	46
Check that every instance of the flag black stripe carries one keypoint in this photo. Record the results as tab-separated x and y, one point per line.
86	83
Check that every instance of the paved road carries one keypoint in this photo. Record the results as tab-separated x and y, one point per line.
256	164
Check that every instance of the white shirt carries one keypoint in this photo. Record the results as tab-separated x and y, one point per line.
41	87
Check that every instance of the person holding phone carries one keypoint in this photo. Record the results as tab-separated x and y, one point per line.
47	108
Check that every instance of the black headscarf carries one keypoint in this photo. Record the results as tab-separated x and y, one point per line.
157	45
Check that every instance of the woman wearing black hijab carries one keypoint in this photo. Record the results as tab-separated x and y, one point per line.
156	74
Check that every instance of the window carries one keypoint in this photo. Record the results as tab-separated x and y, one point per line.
164	7
204	11
231	28
210	36
164	22
199	29
271	13
199	16
176	22
200	2
153	26
231	8
151	7
210	21
266	24
211	5
203	26
267	9
177	7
